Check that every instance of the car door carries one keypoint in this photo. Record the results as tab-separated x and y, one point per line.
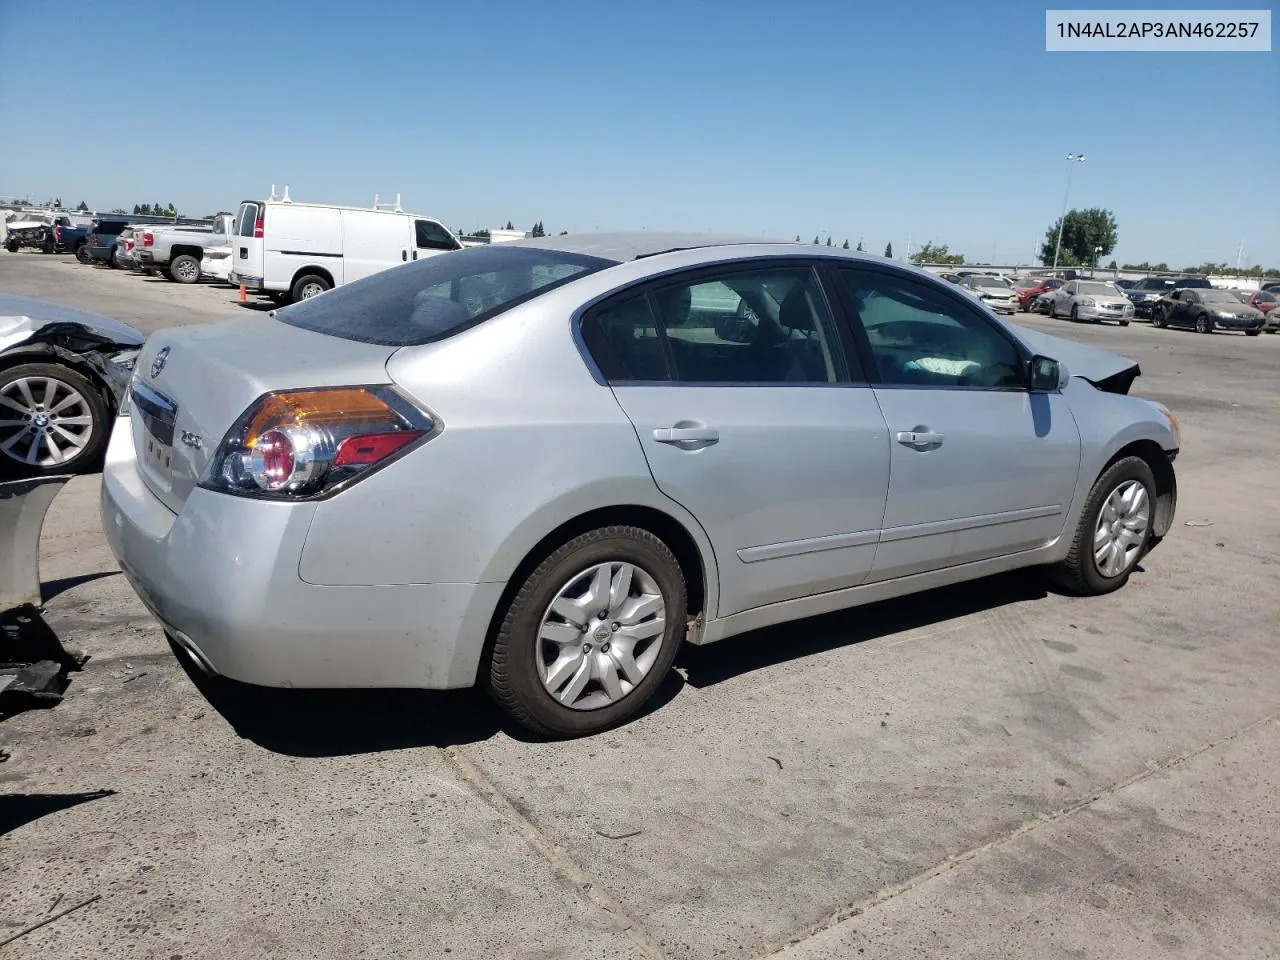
431	238
979	466
1176	311
755	417
1064	298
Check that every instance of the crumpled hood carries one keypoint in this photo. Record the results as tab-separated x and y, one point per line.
1105	370
20	317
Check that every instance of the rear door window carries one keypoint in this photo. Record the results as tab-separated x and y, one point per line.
248	219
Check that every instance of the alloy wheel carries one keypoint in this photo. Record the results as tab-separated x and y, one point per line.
43	421
1121	528
601	635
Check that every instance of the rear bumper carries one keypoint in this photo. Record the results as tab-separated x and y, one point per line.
242	280
242	609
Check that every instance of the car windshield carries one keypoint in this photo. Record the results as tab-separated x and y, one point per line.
437	297
1000	282
1097	289
1266	298
1218	296
1027	283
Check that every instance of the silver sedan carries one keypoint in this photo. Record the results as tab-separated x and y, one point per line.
1092	300
542	466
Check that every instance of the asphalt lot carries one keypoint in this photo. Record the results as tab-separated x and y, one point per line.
989	770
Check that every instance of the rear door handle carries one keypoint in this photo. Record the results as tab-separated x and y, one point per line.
686	434
919	438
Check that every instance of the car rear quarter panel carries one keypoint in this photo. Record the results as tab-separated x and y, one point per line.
530	441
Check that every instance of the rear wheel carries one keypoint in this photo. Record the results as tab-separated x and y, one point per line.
184	268
1252	333
11	246
1204	324
1157	318
1114	530
591	634
52	420
1124	323
82	253
308	286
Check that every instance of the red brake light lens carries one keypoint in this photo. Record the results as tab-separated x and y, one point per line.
147	238
257	228
299	444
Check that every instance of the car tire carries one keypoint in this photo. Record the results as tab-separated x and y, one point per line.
47	244
1075	313
531	638
116	264
1124	323
11	246
307	286
1204	324
1252	333
1157	319
1053	310
1081	572
184	268
90	403
82	253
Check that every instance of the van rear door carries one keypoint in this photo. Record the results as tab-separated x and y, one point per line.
246	244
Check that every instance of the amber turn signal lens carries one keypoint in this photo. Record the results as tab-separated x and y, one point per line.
318	408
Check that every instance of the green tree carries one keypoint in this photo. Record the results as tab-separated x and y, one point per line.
137	209
1086	235
846	245
815	240
828	241
564	233
860	250
508	226
930	253
797	238
82	208
1111	265
888	250
537	230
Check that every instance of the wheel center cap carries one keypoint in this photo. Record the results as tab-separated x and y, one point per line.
602	633
41	420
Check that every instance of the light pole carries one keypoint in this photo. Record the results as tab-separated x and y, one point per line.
1071	158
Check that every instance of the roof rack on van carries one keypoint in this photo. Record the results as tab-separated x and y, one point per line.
396	209
284	199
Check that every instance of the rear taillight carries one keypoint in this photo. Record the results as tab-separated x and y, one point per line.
299	444
257	228
57	234
147	238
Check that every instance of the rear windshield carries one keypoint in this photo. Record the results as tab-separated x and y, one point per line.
1193	283
110	228
437	297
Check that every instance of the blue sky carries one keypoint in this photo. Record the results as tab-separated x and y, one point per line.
880	121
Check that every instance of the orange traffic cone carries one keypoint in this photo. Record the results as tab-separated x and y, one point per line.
243	297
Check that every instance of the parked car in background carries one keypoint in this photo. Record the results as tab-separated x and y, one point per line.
661	369
63	373
1124	284
1207	311
101	241
1271	288
295	251
1144	294
34	231
1030	288
1265	303
125	255
177	251
996	292
951	277
1091	300
216	263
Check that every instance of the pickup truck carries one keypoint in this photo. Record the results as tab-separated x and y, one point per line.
36	231
177	251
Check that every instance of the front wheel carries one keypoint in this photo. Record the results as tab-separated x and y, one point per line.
1113	532
55	420
1204	324
1157	319
82	253
1124	323
1252	333
591	634
1075	313
11	246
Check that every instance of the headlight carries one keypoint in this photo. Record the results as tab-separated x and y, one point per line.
127	358
1173	421
1087	302
1224	315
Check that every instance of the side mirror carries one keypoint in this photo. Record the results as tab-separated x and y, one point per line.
735	330
1046	375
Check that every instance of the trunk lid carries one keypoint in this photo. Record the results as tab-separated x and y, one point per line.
191	384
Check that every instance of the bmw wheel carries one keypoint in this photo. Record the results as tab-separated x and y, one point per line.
52	420
1114	530
591	633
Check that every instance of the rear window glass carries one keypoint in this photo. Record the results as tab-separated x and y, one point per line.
435	298
248	219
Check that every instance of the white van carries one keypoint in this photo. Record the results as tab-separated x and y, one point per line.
293	251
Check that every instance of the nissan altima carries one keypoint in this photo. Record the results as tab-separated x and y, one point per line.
542	466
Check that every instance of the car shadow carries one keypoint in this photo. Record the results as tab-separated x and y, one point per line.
51	588
717	662
19	809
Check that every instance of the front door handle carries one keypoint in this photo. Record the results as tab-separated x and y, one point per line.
919	438
686	434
